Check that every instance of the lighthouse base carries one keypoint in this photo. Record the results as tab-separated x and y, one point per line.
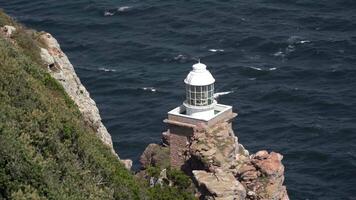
200	112
181	127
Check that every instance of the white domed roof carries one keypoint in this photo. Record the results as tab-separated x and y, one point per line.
199	76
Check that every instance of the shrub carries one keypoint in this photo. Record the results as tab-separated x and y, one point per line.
179	179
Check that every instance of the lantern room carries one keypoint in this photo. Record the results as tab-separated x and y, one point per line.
199	92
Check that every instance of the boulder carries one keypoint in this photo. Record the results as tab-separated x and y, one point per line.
220	185
8	30
127	163
263	175
261	155
46	57
155	155
269	164
165	138
215	147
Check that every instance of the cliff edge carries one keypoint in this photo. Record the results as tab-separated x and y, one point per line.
220	167
63	71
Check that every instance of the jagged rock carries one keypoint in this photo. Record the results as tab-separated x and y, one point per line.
241	150
261	155
127	163
215	146
46	57
249	175
165	138
8	30
223	169
220	185
269	164
263	176
155	155
146	158
67	77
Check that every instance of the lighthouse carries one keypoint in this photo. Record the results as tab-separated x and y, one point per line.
199	84
199	109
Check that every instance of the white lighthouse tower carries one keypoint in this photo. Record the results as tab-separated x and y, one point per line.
200	109
199	101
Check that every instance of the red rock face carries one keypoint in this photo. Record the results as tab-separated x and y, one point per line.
263	176
215	150
270	164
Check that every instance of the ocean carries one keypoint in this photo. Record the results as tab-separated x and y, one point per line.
290	66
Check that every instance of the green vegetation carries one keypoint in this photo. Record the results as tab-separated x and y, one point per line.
163	193
182	186
179	179
46	149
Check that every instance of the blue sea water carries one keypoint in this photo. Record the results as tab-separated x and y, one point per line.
291	65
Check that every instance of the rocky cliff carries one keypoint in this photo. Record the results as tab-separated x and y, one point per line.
62	70
221	168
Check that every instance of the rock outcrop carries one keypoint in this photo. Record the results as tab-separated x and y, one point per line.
223	169
8	30
62	70
263	175
221	185
155	155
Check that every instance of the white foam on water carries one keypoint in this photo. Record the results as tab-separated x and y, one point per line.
304	41
272	68
106	69
216	50
123	8
279	54
181	57
108	13
256	68
218	94
152	89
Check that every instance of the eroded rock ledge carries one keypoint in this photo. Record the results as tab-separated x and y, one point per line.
221	168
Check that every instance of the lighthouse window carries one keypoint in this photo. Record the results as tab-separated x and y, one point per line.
200	95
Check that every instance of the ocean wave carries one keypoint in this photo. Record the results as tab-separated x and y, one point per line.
263	69
279	54
216	50
218	94
108	13
304	41
123	8
106	69
256	68
152	89
111	12
182	58
292	44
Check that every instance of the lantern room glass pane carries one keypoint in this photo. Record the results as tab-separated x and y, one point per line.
200	95
199	88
